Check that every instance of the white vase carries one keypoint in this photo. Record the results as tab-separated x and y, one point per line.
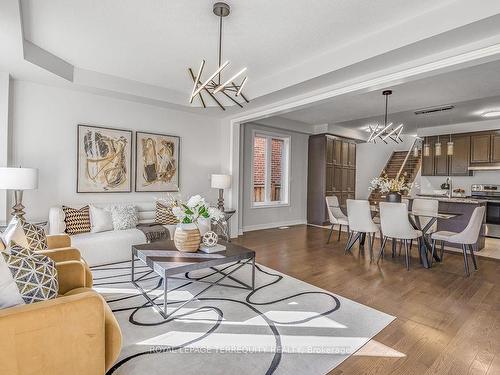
187	237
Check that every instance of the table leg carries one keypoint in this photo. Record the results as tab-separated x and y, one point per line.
133	267
165	292
253	273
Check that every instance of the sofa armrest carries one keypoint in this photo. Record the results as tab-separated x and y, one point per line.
70	275
61	336
55	241
62	254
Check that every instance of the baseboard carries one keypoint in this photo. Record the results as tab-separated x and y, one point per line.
251	228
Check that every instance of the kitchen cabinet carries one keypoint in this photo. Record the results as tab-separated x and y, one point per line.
444	164
331	171
428	161
495	147
459	161
480	148
441	162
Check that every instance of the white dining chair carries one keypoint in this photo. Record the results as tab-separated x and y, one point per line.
467	238
396	225
335	215
426	205
360	224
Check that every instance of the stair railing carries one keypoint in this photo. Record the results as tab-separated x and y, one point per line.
406	158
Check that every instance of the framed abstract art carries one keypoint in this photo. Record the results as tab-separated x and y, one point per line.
104	160
157	162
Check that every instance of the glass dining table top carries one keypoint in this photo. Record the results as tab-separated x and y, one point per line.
425	214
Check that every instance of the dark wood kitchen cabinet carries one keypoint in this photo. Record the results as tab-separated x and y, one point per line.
444	164
480	148
441	162
428	161
459	161
331	171
495	147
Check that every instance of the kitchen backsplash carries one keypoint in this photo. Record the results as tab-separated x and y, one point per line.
430	183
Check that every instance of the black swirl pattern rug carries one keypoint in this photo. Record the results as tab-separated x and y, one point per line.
285	326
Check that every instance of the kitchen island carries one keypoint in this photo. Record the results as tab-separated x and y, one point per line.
456	205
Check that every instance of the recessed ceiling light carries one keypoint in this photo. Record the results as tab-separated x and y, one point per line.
491	114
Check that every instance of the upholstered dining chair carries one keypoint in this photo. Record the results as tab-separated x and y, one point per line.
360	223
335	215
396	225
426	205
467	238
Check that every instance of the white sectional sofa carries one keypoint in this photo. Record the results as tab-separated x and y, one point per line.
110	246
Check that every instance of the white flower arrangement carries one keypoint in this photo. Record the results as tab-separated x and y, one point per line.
195	208
386	185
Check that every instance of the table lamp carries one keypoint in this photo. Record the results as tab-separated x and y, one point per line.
221	182
18	179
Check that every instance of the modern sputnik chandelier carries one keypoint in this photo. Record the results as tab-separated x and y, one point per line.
386	131
215	84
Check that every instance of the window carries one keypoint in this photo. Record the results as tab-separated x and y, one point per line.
270	169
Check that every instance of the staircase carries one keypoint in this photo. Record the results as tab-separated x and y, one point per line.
401	163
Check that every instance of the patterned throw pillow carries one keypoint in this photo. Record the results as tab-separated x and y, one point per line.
34	277
124	217
35	236
164	214
77	221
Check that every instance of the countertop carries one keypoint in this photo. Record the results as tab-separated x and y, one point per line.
451	200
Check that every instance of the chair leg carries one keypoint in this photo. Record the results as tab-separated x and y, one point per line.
407	257
348	241
340	231
330	234
382	249
411	244
442	251
393	249
466	261
471	247
370	245
432	253
400	246
353	241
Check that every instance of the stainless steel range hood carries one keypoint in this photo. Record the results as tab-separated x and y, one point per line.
485	168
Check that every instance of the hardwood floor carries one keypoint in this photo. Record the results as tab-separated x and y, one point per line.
446	323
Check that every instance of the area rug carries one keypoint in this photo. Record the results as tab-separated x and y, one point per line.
284	326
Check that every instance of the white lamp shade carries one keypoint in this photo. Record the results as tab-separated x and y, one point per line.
18	178
221	181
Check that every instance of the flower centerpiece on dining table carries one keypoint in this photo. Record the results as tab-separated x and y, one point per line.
392	187
187	235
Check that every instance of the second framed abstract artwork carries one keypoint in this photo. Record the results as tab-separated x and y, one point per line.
157	162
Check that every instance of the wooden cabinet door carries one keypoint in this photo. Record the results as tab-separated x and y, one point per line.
337	179
345	153
495	148
337	151
329	150
329	180
480	148
344	179
351	180
428	161
352	154
441	161
459	161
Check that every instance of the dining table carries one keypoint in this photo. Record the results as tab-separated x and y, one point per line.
421	220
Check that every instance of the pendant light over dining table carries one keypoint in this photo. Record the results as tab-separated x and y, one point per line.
386	131
214	84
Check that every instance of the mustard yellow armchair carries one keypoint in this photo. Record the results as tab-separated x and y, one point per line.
75	333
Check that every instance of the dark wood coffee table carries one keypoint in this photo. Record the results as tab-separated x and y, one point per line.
166	261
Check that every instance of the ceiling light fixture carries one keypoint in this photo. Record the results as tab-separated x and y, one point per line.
491	114
214	84
387	131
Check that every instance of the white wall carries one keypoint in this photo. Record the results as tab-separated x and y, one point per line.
4	138
430	183
371	159
296	211
44	137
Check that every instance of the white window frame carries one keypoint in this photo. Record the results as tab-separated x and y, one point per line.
285	170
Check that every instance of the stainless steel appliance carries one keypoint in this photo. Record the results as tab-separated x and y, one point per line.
491	193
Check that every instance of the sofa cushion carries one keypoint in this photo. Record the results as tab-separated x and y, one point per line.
34	275
124	217
164	214
100	219
77	220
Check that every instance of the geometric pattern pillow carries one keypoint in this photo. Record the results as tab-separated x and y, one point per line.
124	217
164	215
35	236
77	221
35	276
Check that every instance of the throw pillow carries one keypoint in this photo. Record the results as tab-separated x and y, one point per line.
14	232
35	236
100	220
124	217
164	214
34	277
77	221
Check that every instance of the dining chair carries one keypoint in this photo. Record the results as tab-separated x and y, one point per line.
426	205
467	238
396	225
360	223
335	215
